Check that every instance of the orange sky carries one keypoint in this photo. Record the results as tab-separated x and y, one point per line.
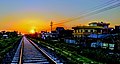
26	15
25	22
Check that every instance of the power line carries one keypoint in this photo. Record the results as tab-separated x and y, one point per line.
112	4
98	9
101	5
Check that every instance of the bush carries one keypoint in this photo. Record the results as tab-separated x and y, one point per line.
6	45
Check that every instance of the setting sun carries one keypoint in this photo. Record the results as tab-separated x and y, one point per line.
32	31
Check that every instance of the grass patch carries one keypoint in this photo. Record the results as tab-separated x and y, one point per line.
72	56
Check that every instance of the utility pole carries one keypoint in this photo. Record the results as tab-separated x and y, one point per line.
51	24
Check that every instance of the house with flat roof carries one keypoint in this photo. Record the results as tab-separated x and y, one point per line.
82	31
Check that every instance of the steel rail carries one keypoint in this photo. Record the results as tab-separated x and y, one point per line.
44	53
21	53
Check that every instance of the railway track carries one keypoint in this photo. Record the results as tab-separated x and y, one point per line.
29	53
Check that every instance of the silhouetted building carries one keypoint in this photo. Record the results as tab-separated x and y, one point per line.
45	35
4	34
62	33
68	33
117	29
105	41
82	31
104	25
105	29
54	35
58	29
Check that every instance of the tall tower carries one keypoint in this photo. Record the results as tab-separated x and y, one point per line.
51	24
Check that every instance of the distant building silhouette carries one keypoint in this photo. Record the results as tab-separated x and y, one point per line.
82	31
105	29
4	34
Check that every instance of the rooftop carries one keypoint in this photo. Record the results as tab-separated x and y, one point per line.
102	23
87	27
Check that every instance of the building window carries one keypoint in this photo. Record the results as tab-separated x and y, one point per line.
86	30
75	31
91	30
78	31
81	31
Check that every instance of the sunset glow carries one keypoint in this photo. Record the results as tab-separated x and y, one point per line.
32	31
60	31
22	18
